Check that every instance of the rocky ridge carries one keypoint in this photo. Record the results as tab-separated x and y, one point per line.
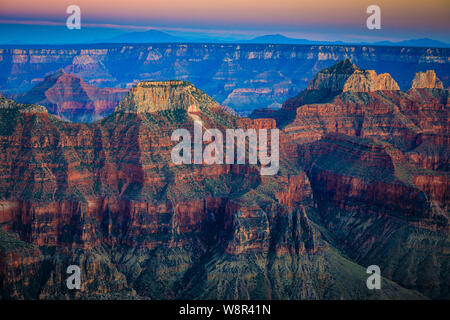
346	76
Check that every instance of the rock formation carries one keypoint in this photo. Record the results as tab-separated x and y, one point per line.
152	96
346	76
426	80
361	150
362	180
68	97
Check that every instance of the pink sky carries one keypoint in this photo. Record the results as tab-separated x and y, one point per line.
290	16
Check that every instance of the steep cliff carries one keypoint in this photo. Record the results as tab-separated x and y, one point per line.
149	97
377	161
374	209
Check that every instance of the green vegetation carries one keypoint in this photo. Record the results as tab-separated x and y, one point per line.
10	243
8	121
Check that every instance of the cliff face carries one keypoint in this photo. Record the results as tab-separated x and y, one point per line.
426	80
346	76
107	197
414	122
68	97
149	97
246	76
377	161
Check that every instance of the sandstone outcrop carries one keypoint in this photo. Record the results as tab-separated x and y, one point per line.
345	76
148	97
426	80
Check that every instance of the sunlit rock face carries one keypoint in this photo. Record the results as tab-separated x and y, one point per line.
152	96
426	80
346	76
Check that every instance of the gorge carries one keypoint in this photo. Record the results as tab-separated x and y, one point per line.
363	180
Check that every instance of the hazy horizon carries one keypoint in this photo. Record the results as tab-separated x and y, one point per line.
235	20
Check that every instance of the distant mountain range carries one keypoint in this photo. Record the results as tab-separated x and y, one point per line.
280	39
157	36
17	34
145	36
424	42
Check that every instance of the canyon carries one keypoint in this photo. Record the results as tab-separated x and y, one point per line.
242	76
363	179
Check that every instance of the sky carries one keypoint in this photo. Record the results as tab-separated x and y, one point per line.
328	20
